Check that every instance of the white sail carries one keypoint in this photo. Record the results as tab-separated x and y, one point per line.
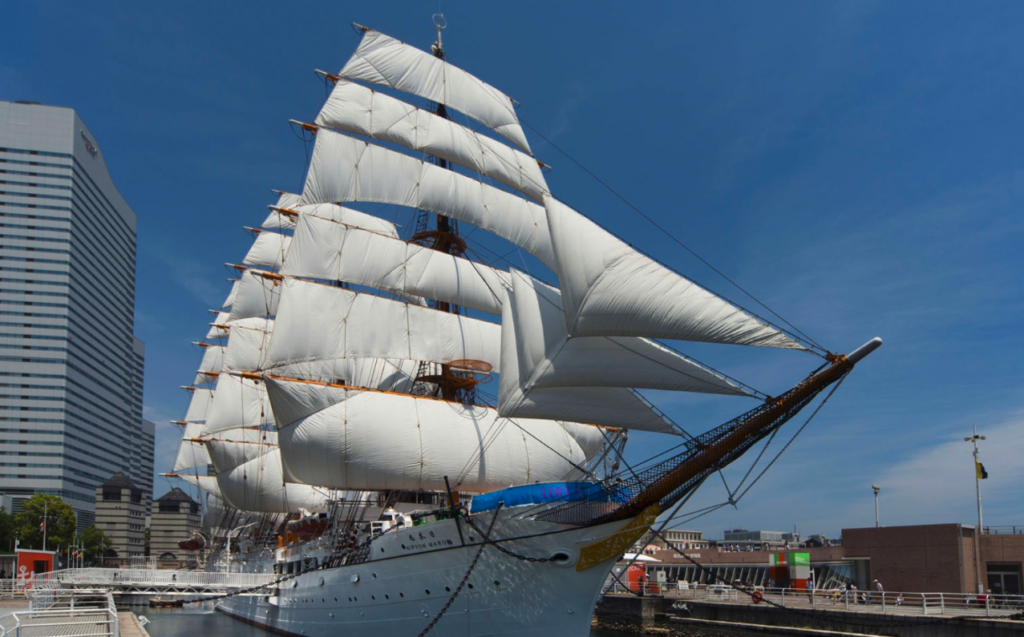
248	344
346	169
375	440
199	404
238	402
590	439
286	199
361	110
210	366
237	446
191	453
383	60
321	322
324	249
547	357
256	296
204	482
231	296
259	486
284	218
608	406
219	327
610	289
267	250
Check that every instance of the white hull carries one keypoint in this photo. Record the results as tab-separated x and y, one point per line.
399	591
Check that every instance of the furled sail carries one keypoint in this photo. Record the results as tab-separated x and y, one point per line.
324	249
267	250
361	110
383	60
322	322
259	486
376	440
610	289
345	169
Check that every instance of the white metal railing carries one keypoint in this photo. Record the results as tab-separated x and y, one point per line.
55	613
172	579
888	602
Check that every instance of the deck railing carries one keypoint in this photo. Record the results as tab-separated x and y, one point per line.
144	577
887	602
55	612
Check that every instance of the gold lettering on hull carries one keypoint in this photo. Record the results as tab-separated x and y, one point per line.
618	543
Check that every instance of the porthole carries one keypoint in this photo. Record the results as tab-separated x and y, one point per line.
469	585
447	589
497	583
401	594
373	597
387	597
428	591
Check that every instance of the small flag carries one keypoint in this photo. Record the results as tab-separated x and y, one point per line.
42	525
979	470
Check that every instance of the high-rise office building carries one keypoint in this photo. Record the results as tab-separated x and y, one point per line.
70	366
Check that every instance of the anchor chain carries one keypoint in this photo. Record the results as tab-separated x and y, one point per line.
465	578
488	540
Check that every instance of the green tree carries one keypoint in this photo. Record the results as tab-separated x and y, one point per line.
6	531
145	545
96	543
60	522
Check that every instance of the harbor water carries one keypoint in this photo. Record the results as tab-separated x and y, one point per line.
203	621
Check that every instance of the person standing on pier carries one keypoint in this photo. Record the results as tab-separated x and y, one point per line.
881	591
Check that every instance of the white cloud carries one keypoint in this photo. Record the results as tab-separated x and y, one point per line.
937	483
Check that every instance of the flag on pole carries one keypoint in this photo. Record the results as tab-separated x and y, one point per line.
979	470
42	525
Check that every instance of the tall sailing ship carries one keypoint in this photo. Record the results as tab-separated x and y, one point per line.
339	420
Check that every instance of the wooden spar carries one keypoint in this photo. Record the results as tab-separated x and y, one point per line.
760	421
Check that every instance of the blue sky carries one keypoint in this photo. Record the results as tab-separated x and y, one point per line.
856	165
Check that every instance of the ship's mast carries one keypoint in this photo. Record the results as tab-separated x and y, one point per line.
457	380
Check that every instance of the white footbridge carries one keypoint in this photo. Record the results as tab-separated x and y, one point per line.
169	584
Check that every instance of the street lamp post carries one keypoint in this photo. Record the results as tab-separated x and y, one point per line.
977	487
876	489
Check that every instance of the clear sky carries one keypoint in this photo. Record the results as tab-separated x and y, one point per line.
856	165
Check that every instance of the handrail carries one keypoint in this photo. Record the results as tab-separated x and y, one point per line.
96	609
880	602
116	577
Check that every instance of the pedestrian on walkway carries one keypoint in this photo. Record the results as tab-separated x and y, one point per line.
879	589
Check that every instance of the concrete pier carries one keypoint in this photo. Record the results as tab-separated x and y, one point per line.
657	615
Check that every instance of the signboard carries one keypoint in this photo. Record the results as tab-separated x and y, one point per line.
799	570
30	565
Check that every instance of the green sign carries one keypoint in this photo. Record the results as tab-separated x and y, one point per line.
800	559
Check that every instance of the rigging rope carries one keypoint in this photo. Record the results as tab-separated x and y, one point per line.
668	234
